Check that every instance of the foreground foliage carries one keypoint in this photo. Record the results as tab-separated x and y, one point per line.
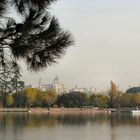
30	34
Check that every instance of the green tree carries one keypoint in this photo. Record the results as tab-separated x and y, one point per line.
30	94
118	99
92	100
20	99
99	100
128	100
50	97
73	99
16	84
63	100
36	38
9	100
5	87
137	99
102	101
112	93
39	98
114	96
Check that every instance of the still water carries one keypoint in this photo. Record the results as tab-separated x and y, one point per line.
24	126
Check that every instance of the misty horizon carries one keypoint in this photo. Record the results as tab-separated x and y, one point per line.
106	46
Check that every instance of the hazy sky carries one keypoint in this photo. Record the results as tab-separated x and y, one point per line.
107	44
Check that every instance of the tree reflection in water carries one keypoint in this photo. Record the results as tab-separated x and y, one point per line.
16	123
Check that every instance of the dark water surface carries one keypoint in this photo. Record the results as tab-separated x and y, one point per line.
24	126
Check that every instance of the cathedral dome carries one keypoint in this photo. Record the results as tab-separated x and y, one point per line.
133	90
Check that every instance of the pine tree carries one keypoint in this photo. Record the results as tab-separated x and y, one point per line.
36	38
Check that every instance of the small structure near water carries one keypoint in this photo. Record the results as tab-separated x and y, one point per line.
136	112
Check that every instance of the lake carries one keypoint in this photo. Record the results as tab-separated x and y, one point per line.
24	126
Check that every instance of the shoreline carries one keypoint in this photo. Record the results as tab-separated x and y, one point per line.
57	110
93	110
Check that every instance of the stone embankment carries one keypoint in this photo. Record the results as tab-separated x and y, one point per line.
14	109
78	110
68	110
56	110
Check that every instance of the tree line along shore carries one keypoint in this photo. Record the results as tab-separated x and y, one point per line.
34	98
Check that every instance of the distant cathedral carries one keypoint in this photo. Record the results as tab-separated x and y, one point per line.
57	85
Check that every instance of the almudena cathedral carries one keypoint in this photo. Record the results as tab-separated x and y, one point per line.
61	88
57	85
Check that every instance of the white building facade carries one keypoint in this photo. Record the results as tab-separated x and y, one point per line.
59	87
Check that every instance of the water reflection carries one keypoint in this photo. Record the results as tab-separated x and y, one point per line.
20	126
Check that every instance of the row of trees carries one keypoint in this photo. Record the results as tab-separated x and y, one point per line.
36	98
33	97
113	99
98	100
82	99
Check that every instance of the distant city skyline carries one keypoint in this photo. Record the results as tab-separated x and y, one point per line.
107	44
61	88
45	85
